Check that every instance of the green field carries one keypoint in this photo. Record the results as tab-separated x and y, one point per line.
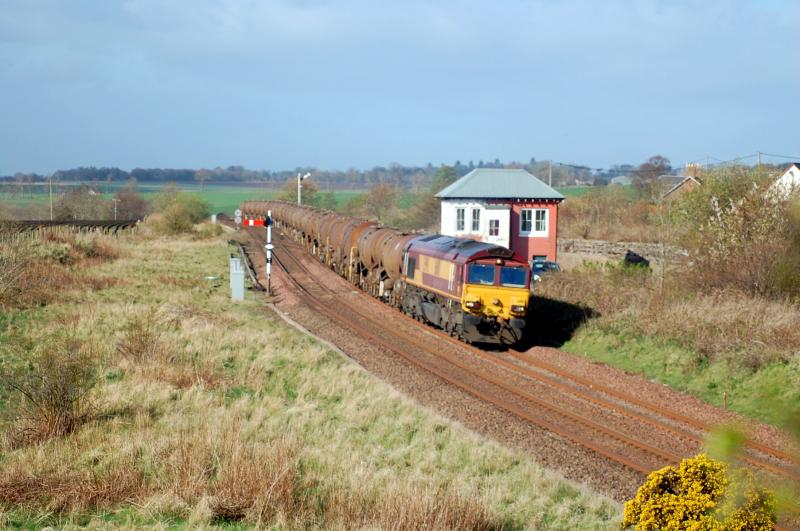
221	197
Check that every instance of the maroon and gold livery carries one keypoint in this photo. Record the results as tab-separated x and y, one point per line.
475	290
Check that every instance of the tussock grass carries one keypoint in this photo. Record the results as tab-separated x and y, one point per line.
73	491
213	414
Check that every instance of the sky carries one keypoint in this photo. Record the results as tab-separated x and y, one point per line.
278	84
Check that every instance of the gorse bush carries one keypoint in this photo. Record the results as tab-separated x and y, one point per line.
51	394
701	494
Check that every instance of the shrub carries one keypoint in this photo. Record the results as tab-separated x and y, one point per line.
178	212
610	213
700	494
27	280
13	259
746	244
141	339
52	390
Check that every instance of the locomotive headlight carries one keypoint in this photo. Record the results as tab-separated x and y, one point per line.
517	309
473	305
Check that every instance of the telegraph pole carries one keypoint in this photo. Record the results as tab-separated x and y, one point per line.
550	173
51	198
269	248
115	200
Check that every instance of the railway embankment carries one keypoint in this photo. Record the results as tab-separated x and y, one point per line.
571	415
188	410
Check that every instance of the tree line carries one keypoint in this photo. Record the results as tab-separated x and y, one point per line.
397	175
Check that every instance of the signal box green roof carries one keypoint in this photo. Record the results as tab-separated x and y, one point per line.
491	183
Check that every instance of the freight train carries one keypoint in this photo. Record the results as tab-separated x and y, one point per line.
475	291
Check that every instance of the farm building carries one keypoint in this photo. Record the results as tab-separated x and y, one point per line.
511	208
789	181
686	184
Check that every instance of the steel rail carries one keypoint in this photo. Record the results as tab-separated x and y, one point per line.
604	403
496	382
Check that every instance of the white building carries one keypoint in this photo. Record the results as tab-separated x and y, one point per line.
789	182
506	207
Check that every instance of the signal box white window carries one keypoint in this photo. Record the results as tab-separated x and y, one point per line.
476	220
494	227
459	219
533	222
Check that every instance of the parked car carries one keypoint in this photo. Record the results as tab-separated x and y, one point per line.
542	267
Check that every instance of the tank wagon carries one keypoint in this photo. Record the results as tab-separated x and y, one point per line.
473	290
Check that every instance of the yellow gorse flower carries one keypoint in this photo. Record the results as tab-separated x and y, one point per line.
700	495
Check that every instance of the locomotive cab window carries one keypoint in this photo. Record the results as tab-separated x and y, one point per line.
412	264
481	274
513	277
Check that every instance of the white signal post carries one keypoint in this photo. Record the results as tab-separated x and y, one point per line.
269	248
300	179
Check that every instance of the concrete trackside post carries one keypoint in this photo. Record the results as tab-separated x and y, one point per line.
237	279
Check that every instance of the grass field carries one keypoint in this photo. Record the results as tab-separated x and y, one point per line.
221	197
231	418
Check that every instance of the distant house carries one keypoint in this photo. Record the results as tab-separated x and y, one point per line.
508	207
687	183
789	181
622	180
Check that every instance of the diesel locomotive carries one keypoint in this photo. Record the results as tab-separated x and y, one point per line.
473	290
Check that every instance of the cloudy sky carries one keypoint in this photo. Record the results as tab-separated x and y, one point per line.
276	84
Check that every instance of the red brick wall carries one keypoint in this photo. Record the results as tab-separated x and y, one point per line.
529	246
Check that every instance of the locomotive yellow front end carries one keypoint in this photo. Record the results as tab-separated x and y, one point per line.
495	298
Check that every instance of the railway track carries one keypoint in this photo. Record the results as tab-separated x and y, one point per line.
491	376
26	226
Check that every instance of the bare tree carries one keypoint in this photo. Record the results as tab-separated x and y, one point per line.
202	176
645	178
380	202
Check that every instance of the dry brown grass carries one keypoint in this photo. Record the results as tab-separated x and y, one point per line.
146	350
266	483
71	491
173	281
749	330
34	272
609	213
721	324
82	248
409	509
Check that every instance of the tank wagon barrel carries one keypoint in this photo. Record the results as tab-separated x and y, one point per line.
473	290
